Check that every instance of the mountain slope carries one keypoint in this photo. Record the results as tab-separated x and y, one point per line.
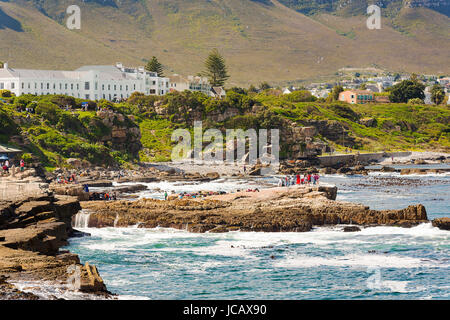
260	39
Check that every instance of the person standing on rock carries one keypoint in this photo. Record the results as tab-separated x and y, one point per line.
298	179
22	165
165	195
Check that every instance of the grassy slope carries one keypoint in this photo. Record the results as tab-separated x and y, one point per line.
256	39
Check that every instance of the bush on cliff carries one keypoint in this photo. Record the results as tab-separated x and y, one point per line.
5	93
300	96
48	111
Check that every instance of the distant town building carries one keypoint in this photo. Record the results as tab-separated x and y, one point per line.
88	82
357	96
320	93
286	91
444	81
191	83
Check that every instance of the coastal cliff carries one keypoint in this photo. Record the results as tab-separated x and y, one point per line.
32	230
295	209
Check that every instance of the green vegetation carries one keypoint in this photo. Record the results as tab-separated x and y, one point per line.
437	94
407	90
155	66
156	140
53	135
216	70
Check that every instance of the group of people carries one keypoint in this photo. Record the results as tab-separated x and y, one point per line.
98	196
288	181
6	166
194	195
69	179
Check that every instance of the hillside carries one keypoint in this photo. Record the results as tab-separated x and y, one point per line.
260	39
141	128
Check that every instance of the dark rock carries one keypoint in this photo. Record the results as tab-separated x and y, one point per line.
387	169
351	229
442	223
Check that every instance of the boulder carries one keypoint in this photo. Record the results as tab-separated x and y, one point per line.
442	223
212	175
387	169
351	229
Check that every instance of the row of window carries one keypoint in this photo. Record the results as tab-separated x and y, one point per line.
72	86
365	97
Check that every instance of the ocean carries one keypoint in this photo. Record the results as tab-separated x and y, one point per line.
326	263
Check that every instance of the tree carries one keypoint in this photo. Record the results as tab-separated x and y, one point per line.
264	86
336	91
216	70
1	64
155	66
252	88
437	94
363	86
406	90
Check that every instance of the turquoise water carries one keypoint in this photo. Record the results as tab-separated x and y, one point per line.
376	263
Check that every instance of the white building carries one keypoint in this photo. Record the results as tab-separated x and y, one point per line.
88	82
191	83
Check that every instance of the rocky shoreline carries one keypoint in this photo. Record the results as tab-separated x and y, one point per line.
294	209
32	231
36	219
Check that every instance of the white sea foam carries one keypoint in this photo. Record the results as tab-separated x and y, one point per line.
131	297
50	290
353	260
240	243
156	189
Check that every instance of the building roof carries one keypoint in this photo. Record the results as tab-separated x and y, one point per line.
33	74
104	72
359	91
218	91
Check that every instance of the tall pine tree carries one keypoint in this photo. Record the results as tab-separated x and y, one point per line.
155	66
216	70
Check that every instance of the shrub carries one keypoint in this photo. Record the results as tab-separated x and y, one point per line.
48	111
5	93
301	96
62	100
344	111
415	101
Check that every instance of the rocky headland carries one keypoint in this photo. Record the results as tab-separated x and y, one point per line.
295	209
32	231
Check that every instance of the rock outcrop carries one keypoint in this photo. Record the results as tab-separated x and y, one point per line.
277	209
442	223
32	231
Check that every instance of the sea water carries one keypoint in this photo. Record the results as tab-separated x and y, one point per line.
326	263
